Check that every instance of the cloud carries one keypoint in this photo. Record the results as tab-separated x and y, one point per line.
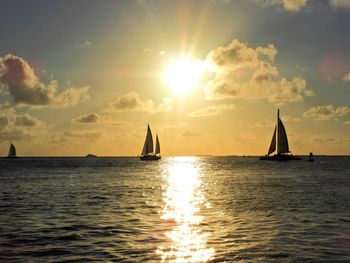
347	77
27	120
211	110
24	88
290	5
239	55
294	5
86	44
245	72
4	121
340	3
264	123
132	102
65	136
297	5
287	118
15	133
87	119
331	140
326	112
190	133
94	118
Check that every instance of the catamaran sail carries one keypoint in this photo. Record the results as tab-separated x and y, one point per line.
12	151
157	145
148	146
147	150
282	146
279	143
273	143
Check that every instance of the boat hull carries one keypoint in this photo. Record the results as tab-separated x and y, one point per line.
280	157
150	157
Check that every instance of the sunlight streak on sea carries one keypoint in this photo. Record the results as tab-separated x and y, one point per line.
182	199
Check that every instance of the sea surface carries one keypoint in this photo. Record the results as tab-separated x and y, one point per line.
178	209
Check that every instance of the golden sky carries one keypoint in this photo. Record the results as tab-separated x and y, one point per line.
208	76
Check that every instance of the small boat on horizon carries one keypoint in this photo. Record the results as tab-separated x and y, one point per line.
90	155
147	153
279	144
12	152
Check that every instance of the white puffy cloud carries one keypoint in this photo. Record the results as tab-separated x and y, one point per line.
19	81
326	112
246	72
239	55
211	110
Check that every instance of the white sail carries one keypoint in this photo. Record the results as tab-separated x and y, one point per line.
12	151
157	145
148	145
283	146
273	143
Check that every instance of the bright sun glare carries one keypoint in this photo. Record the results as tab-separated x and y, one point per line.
183	74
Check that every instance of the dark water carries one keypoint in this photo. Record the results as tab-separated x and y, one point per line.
187	209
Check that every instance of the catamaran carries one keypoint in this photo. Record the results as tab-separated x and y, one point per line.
279	144
12	152
147	153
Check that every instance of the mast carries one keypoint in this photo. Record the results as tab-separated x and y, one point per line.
278	130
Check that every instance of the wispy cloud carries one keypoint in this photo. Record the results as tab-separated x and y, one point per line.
86	44
326	112
264	123
212	110
340	3
332	140
132	102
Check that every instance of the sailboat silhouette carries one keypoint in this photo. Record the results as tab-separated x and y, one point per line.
12	152
279	144
147	153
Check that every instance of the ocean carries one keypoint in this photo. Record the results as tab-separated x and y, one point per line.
178	209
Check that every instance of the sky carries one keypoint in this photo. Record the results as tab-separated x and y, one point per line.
85	76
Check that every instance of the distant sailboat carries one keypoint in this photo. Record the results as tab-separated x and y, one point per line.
147	153
12	152
279	144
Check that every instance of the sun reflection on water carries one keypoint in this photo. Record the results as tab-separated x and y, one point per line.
183	198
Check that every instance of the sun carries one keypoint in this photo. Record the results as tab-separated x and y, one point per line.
183	75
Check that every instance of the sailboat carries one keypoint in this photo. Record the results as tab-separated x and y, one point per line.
279	144
147	153
12	152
